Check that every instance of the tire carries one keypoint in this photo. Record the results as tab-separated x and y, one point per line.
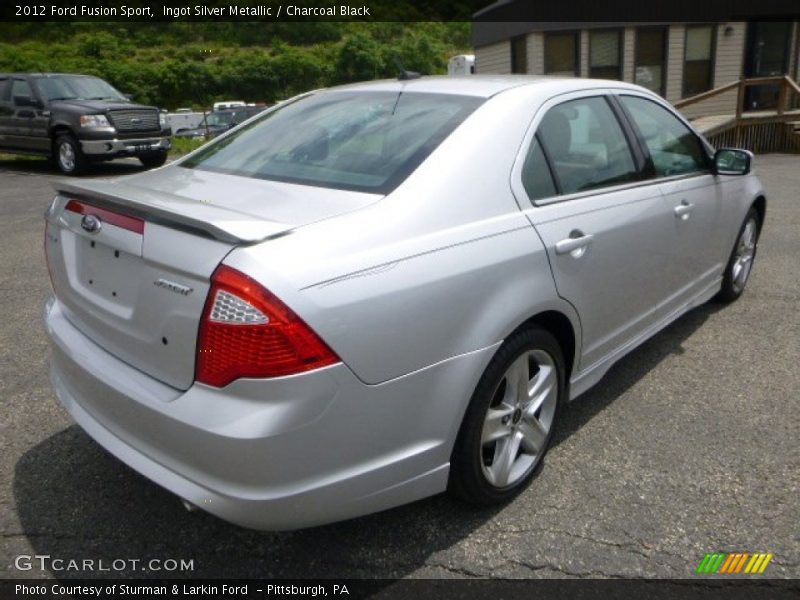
740	264
488	471
152	161
67	155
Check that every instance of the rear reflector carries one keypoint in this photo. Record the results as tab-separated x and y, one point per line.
107	216
246	331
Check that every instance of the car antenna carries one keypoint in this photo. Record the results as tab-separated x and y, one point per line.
405	75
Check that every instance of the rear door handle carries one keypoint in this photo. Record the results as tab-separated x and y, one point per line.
575	244
684	209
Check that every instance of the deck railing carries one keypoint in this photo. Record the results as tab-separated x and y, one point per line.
788	88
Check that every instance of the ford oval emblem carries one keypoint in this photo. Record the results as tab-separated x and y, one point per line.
91	223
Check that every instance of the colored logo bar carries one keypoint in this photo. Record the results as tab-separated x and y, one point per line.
734	563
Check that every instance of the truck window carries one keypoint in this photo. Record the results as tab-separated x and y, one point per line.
21	88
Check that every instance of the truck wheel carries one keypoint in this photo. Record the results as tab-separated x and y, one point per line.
151	161
67	154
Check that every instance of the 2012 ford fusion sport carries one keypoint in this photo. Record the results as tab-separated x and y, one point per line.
379	292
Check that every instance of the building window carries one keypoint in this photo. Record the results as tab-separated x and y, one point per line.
698	60
651	58
605	57
519	55
561	54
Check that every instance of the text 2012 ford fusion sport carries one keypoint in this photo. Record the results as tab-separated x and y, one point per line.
375	293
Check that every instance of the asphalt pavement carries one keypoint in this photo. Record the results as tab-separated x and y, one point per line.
689	445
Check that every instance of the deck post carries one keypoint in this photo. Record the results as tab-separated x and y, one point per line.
783	96
740	99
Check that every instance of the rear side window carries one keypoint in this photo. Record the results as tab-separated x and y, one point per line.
586	145
536	177
369	141
674	149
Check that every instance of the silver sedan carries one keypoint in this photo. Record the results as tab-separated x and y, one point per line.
371	294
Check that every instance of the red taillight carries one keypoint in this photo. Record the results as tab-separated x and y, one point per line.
247	331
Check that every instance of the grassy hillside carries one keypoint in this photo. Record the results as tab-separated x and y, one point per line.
195	64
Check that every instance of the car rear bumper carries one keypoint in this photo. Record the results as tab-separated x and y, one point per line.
125	147
272	454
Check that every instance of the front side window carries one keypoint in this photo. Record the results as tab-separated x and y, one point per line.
697	69
362	141
586	145
20	87
561	54
674	149
604	54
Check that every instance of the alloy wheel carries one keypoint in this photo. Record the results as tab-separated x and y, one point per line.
519	419
66	156
743	257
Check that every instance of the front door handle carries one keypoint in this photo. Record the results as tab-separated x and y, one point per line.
575	244
684	209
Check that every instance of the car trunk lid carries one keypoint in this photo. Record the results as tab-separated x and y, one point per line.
131	259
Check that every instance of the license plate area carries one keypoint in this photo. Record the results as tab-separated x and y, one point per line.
107	274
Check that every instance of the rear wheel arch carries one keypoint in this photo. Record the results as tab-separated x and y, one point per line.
760	204
562	328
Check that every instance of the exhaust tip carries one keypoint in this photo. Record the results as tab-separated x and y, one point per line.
188	505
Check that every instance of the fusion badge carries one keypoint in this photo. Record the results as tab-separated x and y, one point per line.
183	290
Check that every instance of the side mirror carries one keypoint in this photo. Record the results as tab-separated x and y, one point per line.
730	161
129	97
27	101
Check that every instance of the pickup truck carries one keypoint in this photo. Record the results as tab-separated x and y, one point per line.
77	120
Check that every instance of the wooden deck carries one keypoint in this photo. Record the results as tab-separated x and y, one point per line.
775	130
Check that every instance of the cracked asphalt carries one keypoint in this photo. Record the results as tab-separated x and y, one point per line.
689	445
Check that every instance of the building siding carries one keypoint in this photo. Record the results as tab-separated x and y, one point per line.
675	46
583	53
536	53
494	59
729	52
628	50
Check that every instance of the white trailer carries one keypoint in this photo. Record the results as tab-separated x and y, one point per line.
184	119
462	64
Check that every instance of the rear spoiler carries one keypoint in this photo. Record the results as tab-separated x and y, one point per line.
174	211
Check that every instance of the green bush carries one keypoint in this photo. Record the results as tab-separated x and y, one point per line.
196	64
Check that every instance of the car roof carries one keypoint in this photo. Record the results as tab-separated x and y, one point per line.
482	85
48	75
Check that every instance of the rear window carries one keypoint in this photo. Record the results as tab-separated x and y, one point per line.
366	142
